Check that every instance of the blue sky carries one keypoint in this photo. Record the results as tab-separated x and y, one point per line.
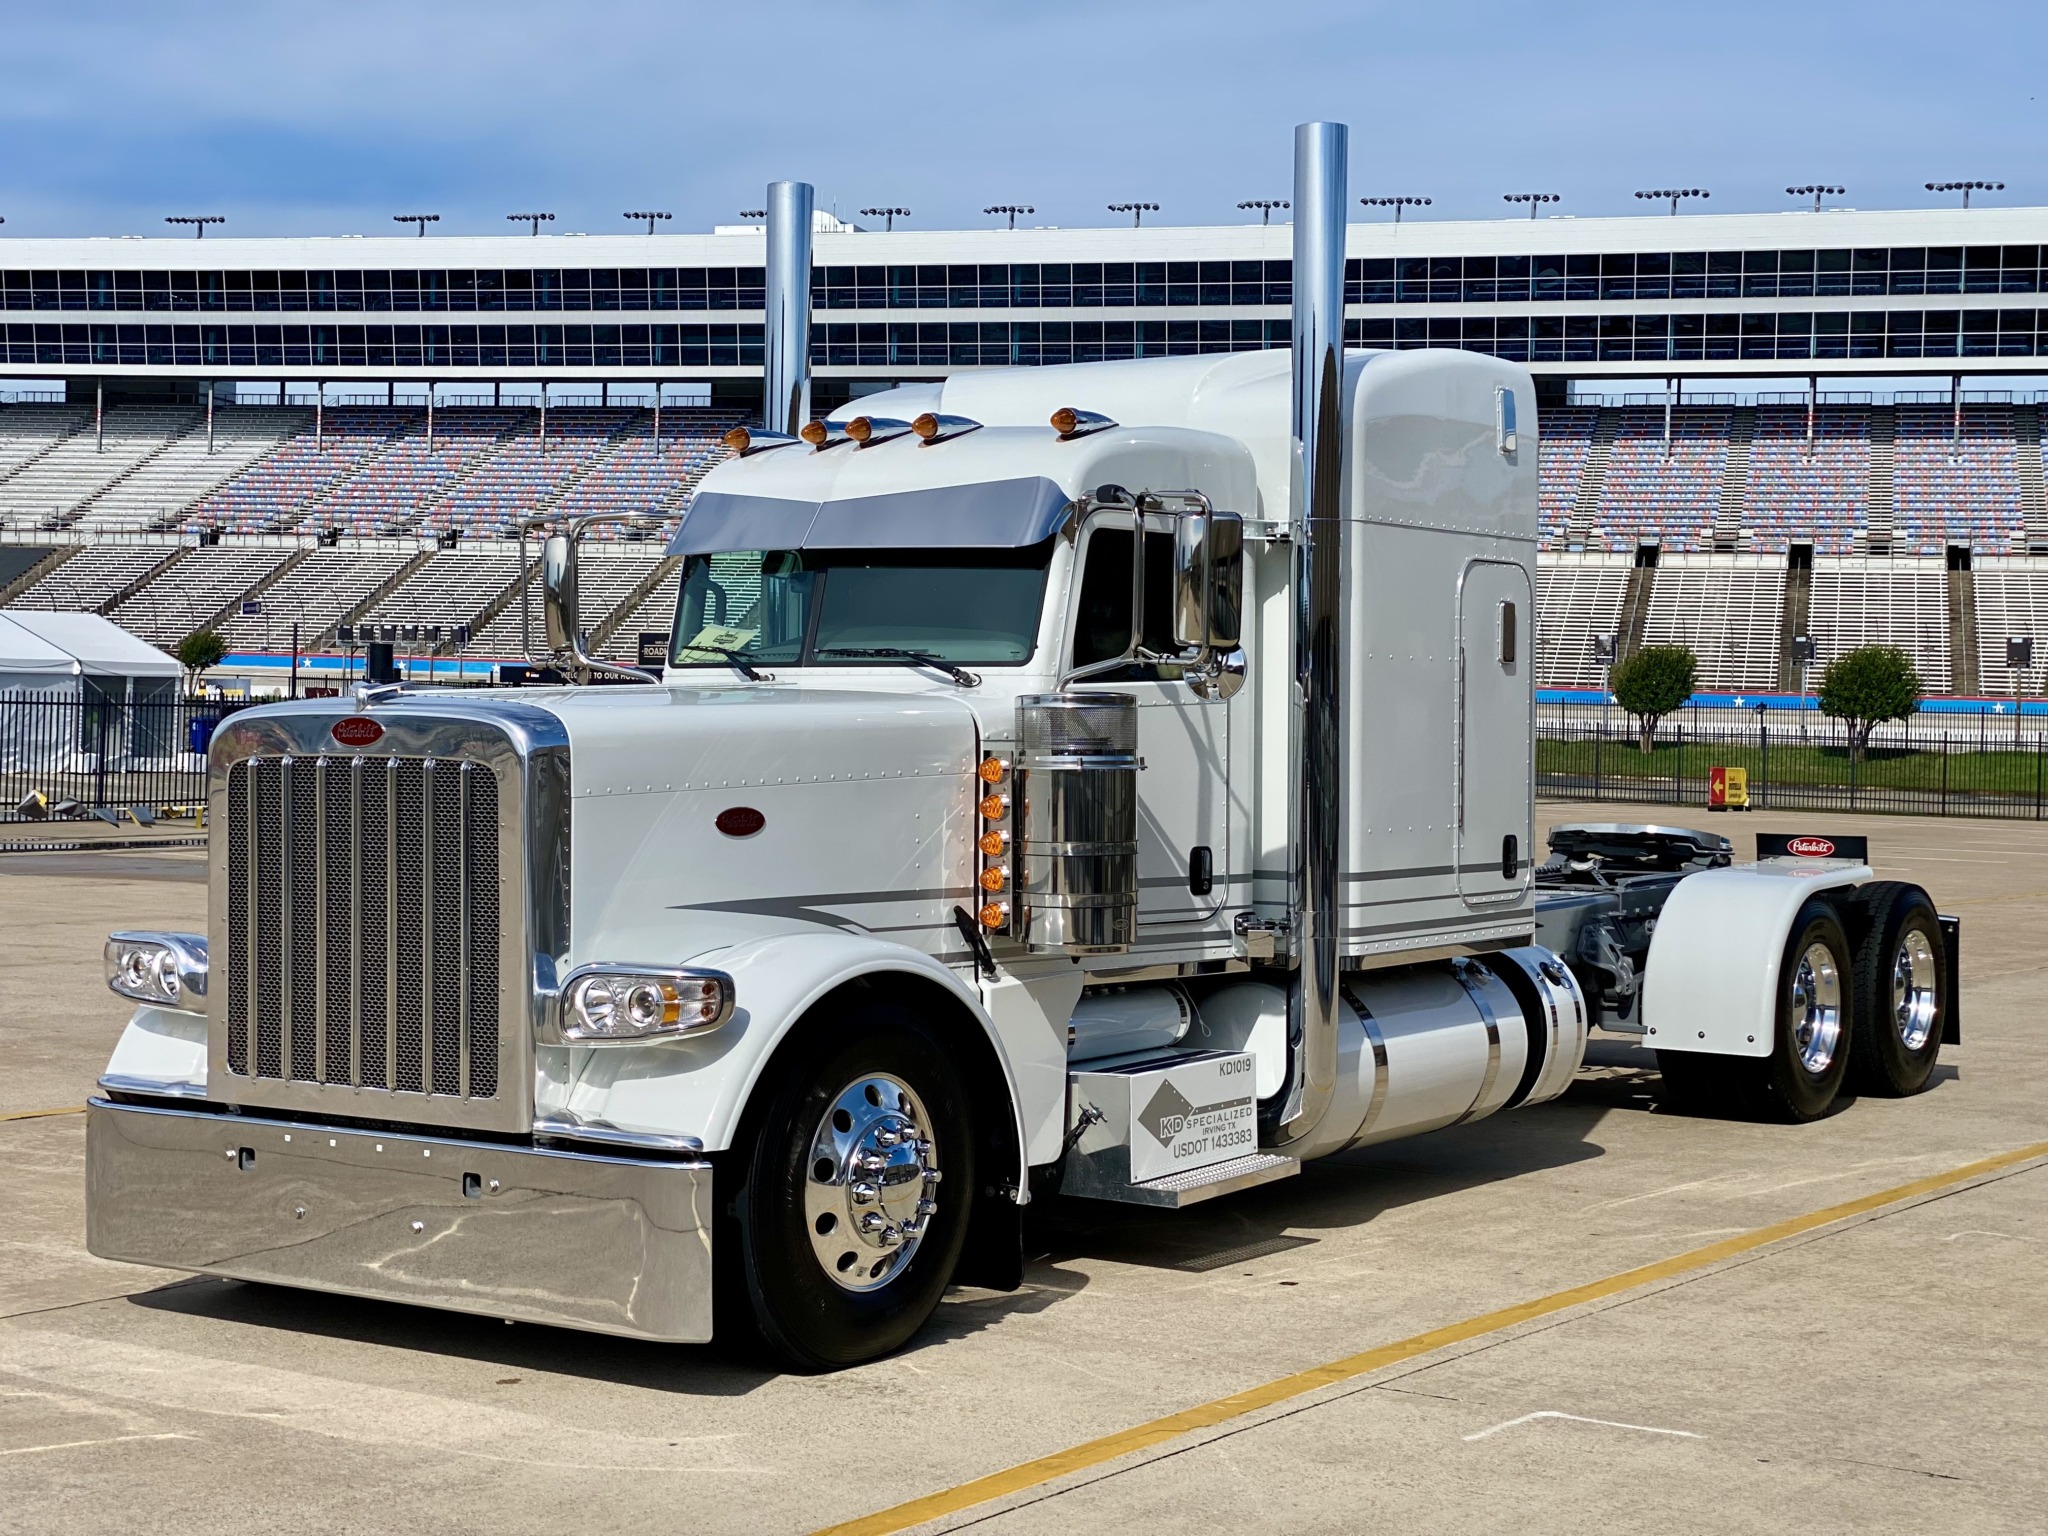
294	118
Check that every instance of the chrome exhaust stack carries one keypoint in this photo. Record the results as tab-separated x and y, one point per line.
1317	531
786	328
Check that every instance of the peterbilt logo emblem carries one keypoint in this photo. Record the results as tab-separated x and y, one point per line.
356	731
740	821
1810	847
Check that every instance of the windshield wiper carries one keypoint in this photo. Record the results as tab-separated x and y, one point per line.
959	675
740	664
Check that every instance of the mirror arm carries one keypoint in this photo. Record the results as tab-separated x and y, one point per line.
573	529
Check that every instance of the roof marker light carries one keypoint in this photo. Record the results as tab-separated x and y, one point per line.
934	427
746	440
1070	423
823	434
867	430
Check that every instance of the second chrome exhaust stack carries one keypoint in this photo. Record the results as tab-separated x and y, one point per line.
1317	528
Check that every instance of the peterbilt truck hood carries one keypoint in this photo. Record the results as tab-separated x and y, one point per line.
849	810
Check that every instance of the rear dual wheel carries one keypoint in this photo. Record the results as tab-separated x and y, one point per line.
1902	1001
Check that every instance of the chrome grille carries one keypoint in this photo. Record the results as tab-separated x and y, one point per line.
363	904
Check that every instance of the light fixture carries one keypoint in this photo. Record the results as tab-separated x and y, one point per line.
1816	190
1265	205
1137	211
1396	203
1675	195
167	969
936	427
198	221
649	215
1012	209
421	219
891	215
1535	200
864	430
1966	187
535	219
605	1003
1071	423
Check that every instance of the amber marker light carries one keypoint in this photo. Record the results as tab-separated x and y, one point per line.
814	432
860	429
995	914
993	807
994	878
992	770
1065	419
993	843
926	426
738	439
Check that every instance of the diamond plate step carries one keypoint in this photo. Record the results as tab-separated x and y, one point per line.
1199	1184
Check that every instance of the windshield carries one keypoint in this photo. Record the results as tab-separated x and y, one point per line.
842	608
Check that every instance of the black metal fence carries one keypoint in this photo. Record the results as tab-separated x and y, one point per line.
64	758
1923	767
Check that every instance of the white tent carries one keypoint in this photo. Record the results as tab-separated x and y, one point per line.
52	647
76	688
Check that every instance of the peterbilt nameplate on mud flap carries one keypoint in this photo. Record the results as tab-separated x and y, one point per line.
1148	1119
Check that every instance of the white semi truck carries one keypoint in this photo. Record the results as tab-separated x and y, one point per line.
1111	781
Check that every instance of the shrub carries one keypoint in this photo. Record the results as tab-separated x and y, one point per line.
1652	683
198	651
1868	686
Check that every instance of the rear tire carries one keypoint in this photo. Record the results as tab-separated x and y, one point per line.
1902	1001
1814	1027
846	1237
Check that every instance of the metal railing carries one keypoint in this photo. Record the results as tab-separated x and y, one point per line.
64	758
1910	768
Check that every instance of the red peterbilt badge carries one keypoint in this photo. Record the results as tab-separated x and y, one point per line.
740	821
1810	847
356	731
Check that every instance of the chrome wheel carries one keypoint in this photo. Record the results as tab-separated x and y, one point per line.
1914	995
1816	1009
871	1186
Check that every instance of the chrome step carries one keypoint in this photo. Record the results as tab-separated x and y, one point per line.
1199	1184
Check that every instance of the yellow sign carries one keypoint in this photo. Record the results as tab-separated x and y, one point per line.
1727	789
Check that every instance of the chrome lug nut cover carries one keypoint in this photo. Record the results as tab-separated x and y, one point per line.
869	1181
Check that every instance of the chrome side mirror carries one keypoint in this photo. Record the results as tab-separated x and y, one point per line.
558	592
1208	580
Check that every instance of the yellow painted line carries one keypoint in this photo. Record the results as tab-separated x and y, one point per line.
44	1114
1094	1453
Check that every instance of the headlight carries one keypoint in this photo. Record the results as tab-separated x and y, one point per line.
622	1002
167	969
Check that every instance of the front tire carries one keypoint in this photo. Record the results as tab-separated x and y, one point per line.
847	1236
1902	999
1814	1027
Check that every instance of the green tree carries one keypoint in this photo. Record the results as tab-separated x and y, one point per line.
1868	686
1652	683
201	649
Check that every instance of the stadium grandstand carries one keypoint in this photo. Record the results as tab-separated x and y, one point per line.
300	438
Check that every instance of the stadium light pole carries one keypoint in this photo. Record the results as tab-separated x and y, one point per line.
421	219
1398	204
753	213
1265	205
1966	187
888	215
1011	209
198	221
1533	199
1674	195
534	219
1816	190
1137	211
649	215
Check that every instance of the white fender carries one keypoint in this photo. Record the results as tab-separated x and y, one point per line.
699	1087
1711	983
162	1051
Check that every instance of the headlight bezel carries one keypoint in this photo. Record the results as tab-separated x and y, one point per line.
163	970
647	1004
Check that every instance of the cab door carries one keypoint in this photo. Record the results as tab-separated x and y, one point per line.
1495	701
1183	740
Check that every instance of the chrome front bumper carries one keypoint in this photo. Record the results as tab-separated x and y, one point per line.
608	1244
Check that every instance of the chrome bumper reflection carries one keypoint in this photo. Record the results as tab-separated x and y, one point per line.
613	1245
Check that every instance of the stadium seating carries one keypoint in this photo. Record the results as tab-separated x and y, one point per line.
1659	491
95	576
1567	434
282	489
29	430
1956	490
2012	599
1801	493
317	593
1577	598
1727	609
157	492
204	582
606	577
454	586
50	489
1900	601
392	490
